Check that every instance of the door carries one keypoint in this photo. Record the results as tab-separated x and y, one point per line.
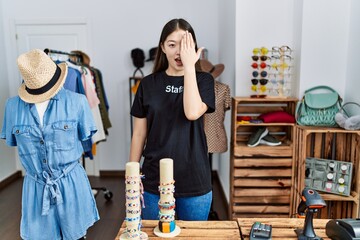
62	36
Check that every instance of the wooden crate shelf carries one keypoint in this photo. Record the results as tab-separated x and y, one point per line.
329	143
284	150
249	182
261	177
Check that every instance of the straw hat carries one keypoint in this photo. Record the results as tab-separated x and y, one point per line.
207	66
42	77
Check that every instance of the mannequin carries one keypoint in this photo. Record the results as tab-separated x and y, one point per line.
47	123
214	122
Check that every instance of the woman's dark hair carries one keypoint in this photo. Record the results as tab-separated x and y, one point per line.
161	63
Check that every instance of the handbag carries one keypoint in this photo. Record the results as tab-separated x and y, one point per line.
318	109
345	120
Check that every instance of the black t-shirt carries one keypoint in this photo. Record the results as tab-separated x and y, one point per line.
170	134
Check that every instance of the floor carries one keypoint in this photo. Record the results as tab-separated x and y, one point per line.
112	213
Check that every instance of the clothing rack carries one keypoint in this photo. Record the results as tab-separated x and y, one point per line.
107	193
79	59
47	51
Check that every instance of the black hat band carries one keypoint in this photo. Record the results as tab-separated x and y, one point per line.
48	86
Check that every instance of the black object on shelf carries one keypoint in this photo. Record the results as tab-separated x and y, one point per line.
310	203
138	60
343	229
260	231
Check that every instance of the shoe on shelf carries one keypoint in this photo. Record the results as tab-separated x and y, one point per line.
270	141
256	136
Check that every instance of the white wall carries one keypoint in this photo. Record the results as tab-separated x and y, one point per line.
318	31
352	89
297	36
227	57
116	27
324	44
7	155
260	23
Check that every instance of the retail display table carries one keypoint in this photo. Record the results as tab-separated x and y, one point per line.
194	230
282	228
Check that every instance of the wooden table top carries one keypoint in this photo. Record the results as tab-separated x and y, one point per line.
282	228
212	230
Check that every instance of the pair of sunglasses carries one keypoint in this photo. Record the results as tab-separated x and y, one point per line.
280	82
273	81
261	65
262	50
280	75
282	57
285	57
262	58
282	49
262	81
262	73
262	88
282	65
285	49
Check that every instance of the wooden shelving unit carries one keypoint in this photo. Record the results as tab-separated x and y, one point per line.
329	143
261	177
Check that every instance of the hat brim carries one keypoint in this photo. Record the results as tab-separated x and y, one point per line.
30	98
219	68
214	70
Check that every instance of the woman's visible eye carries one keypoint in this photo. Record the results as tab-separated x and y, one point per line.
172	45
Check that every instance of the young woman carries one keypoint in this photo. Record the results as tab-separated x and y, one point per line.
168	114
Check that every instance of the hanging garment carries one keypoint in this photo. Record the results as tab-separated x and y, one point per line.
103	106
214	122
73	83
93	100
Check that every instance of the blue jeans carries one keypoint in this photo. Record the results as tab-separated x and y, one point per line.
187	208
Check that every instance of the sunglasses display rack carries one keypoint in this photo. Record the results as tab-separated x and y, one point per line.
259	74
329	176
280	71
271	75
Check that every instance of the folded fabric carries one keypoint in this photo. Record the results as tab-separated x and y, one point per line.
277	117
243	118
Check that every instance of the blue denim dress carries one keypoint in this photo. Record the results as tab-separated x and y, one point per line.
57	201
